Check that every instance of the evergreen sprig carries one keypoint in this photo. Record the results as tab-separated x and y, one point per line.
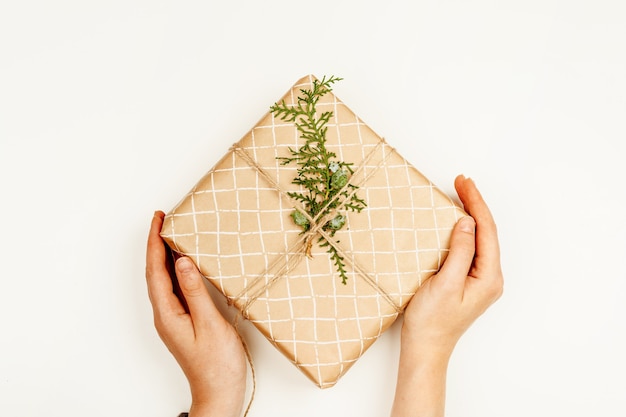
320	173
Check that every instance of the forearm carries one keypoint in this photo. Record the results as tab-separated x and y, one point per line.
421	385
211	409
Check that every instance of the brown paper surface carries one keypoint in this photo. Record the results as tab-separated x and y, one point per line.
235	224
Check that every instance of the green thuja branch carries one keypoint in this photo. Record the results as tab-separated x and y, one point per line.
323	177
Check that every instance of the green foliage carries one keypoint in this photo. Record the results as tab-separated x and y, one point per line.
320	173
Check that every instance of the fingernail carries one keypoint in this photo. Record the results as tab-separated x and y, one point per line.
184	264
467	224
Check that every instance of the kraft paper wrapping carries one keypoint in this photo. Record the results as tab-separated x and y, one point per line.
235	224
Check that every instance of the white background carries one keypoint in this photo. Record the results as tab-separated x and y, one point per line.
112	109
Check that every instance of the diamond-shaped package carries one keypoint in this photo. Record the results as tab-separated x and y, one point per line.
237	225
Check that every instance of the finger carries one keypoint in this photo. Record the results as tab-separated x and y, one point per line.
487	246
160	289
462	248
201	307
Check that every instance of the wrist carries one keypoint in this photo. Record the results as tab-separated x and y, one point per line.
431	348
228	402
212	396
423	360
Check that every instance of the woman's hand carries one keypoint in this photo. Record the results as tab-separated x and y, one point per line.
205	345
469	281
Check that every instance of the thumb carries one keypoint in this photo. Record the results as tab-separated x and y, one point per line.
462	250
201	307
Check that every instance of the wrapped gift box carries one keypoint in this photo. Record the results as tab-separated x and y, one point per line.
236	224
